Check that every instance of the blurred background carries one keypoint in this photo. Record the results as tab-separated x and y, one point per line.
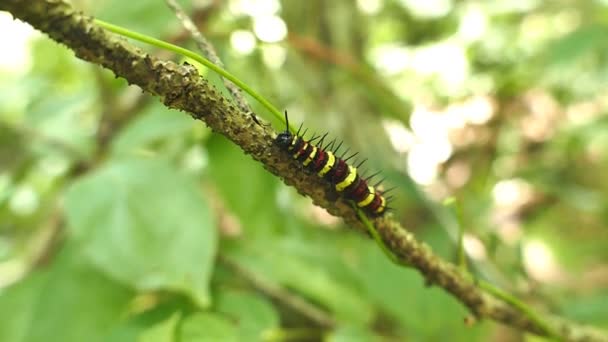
123	220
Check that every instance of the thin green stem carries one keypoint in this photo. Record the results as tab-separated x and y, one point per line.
522	307
376	236
198	58
456	209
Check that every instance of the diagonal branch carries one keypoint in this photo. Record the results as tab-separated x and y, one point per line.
181	87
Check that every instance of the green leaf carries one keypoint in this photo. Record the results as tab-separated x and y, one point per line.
147	225
161	332
307	267
61	100
422	312
150	311
208	327
235	174
255	316
351	333
64	120
569	48
589	309
71	301
155	123
149	17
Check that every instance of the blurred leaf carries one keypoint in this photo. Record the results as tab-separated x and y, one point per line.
427	313
152	17
154	123
255	317
580	42
590	309
66	119
303	271
11	145
208	327
349	333
145	224
161	332
248	189
558	226
149	311
61	74
60	94
70	301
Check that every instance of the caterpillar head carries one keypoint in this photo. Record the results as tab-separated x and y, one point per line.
285	138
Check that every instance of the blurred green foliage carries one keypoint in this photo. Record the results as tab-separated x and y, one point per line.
123	220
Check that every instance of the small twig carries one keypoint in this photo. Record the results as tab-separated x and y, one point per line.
294	334
40	249
48	240
272	290
209	51
456	209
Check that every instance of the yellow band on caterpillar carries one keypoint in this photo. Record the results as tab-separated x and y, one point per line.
311	156
329	163
369	198
350	178
382	205
293	143
302	150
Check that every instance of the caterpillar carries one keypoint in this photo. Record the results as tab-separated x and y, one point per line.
323	161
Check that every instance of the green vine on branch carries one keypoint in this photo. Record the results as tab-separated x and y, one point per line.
198	58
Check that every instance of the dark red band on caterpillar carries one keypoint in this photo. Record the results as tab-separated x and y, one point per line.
323	161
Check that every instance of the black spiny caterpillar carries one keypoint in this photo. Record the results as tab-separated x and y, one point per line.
323	161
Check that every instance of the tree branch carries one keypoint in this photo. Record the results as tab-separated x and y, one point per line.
181	87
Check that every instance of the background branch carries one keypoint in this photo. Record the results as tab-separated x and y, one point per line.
274	291
209	51
181	87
